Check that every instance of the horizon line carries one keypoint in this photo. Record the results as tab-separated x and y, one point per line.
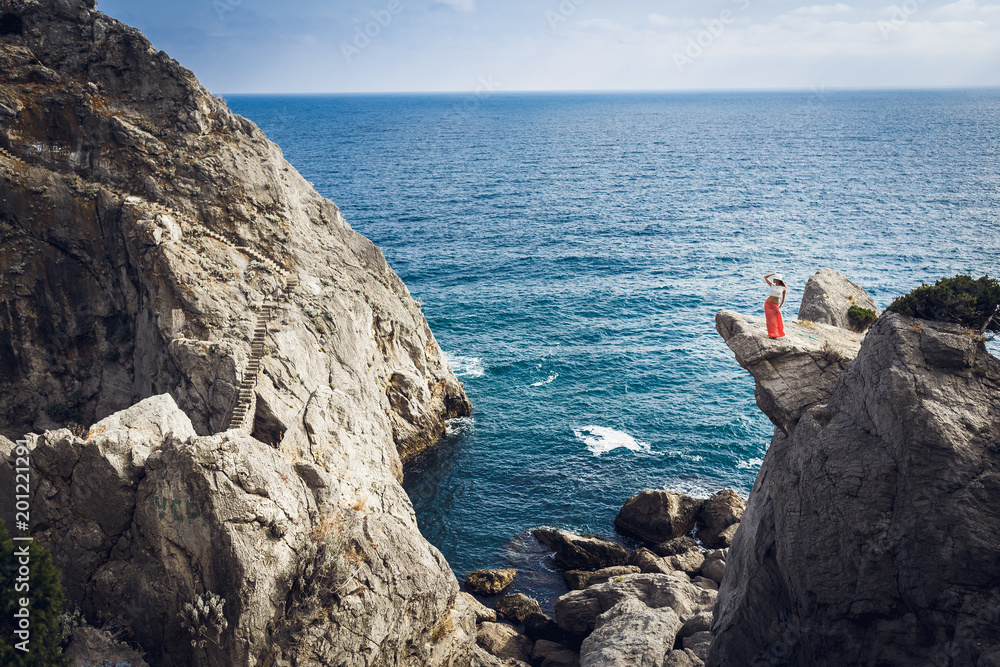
608	91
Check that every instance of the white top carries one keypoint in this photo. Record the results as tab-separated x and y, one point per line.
777	291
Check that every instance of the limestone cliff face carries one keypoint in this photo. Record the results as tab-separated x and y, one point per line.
142	227
872	533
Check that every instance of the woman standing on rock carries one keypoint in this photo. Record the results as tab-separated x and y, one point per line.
772	307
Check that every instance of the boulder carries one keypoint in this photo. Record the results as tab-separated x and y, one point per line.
644	559
714	567
706	583
699	622
517	607
679	554
481	611
683	658
581	552
873	526
657	516
699	643
490	582
504	642
827	297
551	654
721	511
580	579
577	611
794	374
630	633
538	625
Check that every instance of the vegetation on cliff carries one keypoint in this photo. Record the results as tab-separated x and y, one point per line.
45	603
962	300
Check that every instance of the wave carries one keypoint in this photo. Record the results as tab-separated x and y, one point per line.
601	440
460	426
471	367
548	380
752	463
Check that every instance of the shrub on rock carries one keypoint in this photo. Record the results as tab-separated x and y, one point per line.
960	300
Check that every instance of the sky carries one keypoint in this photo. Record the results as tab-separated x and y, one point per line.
331	46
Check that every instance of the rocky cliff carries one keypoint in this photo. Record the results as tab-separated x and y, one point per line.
872	533
145	232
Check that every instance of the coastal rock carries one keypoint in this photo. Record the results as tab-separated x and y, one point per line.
828	295
714	567
577	611
699	643
541	626
581	552
793	374
152	225
630	633
683	658
580	579
478	609
719	513
657	516
706	583
90	646
144	518
644	559
681	554
504	642
871	532
550	654
517	607
700	622
490	582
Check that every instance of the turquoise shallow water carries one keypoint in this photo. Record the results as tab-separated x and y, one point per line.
571	250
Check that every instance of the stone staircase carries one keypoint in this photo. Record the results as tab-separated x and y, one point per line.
246	399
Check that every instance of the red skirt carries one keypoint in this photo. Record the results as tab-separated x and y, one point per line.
775	327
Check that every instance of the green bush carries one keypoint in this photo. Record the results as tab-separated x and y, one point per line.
962	300
860	318
46	604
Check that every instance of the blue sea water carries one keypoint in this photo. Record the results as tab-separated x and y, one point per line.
571	251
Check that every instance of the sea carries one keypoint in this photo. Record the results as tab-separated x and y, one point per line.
571	251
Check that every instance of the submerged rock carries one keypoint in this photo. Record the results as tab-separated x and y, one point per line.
657	516
872	531
827	297
586	552
490	582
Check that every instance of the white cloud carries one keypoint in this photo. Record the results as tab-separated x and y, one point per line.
459	5
604	25
677	23
824	11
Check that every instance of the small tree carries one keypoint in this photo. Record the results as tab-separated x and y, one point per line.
860	318
46	604
962	300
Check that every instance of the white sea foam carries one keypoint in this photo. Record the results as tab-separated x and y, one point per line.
601	440
552	376
470	367
460	426
752	463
